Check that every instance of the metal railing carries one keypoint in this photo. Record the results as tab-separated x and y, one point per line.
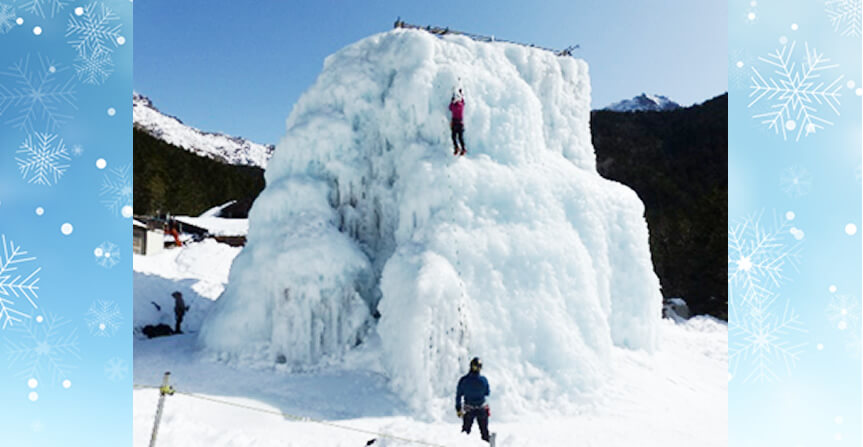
436	30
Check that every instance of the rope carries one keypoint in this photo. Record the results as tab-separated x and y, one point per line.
291	416
463	286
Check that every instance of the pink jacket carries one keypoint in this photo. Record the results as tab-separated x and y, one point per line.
457	108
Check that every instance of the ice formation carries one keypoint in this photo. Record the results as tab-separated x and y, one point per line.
370	229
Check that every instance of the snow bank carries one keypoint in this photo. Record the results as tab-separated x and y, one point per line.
207	263
153	304
519	252
199	271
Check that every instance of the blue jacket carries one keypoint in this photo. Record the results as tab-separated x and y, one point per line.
474	388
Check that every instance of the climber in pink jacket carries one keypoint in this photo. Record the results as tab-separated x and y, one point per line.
456	106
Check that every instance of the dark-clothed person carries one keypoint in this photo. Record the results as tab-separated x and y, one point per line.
180	309
473	389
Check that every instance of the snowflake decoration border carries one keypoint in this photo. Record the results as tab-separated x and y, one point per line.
796	95
845	15
795	181
116	369
107	254
14	285
94	31
737	77
104	318
7	18
117	189
46	346
843	311
94	68
759	256
39	8
758	337
42	163
38	96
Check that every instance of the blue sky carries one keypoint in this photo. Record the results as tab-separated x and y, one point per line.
222	67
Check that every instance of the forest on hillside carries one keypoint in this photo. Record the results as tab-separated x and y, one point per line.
677	163
168	179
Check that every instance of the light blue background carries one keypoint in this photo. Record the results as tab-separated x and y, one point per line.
94	411
800	408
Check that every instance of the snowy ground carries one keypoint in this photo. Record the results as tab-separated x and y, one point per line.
677	397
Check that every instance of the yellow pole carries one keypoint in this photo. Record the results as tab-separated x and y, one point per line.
165	390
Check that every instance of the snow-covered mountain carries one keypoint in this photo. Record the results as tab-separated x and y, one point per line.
644	102
231	150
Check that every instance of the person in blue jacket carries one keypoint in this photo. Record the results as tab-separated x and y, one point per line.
473	387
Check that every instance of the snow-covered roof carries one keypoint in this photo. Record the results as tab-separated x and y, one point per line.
214	211
218	226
